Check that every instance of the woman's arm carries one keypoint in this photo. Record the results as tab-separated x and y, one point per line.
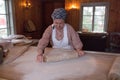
75	40
43	42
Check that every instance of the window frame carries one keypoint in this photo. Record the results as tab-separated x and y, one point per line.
9	17
106	4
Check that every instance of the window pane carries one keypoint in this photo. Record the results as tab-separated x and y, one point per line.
98	27
3	23
87	23
3	32
87	19
87	10
99	19
99	24
87	27
100	10
2	7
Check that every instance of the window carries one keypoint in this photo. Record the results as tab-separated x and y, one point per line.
94	17
6	21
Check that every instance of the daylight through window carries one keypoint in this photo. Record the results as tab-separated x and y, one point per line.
6	25
94	17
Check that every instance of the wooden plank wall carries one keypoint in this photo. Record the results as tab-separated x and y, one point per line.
73	17
22	14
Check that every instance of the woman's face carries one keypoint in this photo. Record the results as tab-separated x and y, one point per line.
59	23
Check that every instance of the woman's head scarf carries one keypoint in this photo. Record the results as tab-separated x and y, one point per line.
59	13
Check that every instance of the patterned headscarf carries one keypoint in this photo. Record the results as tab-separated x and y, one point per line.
59	13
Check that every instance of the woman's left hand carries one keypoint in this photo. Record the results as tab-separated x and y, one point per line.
80	53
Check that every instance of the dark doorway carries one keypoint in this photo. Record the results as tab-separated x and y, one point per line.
47	8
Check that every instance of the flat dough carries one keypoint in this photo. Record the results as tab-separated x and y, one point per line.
53	54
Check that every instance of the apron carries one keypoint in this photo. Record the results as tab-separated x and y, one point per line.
63	43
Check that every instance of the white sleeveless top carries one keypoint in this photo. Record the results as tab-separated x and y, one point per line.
63	43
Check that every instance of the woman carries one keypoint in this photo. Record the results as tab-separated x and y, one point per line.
60	35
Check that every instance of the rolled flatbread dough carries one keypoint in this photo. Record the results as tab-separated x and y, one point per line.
54	54
114	73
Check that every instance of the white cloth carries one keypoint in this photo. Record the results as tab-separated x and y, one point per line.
6	44
63	43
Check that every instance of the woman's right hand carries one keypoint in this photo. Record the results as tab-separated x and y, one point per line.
39	58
